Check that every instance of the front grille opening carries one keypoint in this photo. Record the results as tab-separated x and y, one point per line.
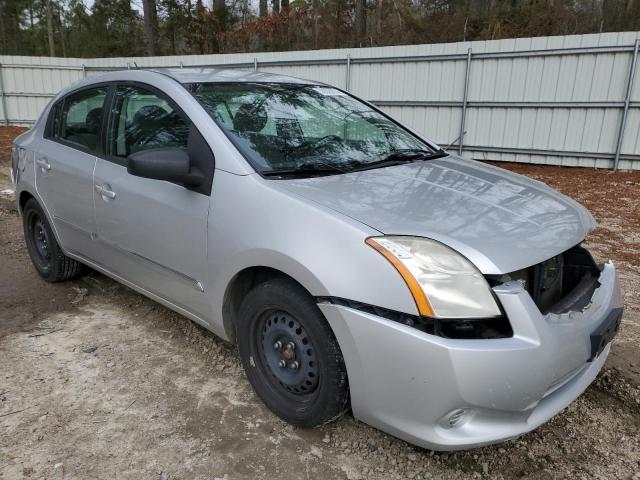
482	328
561	284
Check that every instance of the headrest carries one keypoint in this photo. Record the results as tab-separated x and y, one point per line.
93	120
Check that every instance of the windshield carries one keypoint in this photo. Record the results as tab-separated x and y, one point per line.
294	128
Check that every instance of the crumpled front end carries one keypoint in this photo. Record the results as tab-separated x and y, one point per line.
451	393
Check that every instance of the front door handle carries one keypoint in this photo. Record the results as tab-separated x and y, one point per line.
105	192
43	163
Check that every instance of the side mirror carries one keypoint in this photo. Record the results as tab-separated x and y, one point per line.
170	164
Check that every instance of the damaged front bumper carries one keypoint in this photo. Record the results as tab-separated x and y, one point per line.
448	394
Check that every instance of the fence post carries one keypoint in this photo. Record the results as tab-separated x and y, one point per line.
347	80
255	64
84	71
463	114
5	114
627	100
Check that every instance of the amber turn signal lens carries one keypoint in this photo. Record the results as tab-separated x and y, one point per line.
422	303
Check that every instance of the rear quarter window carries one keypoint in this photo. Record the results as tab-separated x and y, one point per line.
53	121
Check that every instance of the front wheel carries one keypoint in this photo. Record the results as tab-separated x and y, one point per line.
290	355
50	262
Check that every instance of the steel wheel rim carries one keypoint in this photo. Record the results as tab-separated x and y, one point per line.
41	238
288	353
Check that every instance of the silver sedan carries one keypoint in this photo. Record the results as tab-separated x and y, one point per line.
354	263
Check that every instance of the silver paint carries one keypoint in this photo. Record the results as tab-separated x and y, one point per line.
510	386
500	220
162	240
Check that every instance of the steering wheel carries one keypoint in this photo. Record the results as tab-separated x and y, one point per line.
317	144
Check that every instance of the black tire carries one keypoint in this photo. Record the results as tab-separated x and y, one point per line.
317	391
45	253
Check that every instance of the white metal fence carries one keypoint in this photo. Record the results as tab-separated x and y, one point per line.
569	100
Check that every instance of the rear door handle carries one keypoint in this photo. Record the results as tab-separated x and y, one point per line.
43	163
105	192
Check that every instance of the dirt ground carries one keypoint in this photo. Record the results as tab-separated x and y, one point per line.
97	381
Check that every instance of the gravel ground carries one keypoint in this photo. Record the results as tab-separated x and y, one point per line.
97	381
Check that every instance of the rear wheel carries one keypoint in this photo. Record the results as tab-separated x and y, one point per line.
290	354
45	253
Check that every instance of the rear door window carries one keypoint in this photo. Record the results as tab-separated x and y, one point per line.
80	118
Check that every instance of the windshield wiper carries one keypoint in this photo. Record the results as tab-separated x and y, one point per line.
419	152
399	157
306	169
396	157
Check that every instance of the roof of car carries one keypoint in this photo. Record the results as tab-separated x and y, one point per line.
221	75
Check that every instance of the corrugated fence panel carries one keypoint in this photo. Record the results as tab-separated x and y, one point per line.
331	74
30	82
556	100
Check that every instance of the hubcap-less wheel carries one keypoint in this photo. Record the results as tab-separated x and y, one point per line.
38	237
50	262
41	238
288	353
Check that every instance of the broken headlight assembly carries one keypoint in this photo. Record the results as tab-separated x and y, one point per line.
444	284
452	297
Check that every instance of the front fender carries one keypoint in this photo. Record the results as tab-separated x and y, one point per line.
321	249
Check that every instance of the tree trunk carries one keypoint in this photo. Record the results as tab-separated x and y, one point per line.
200	33
150	26
314	20
218	4
275	5
361	21
284	7
171	30
52	47
63	43
3	35
263	8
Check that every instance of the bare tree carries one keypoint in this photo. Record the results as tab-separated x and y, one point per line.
52	46
314	21
61	31
150	26
361	21
113	28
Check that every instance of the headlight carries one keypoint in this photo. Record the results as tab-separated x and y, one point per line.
443	283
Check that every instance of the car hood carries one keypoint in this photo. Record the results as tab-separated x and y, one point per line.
500	220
